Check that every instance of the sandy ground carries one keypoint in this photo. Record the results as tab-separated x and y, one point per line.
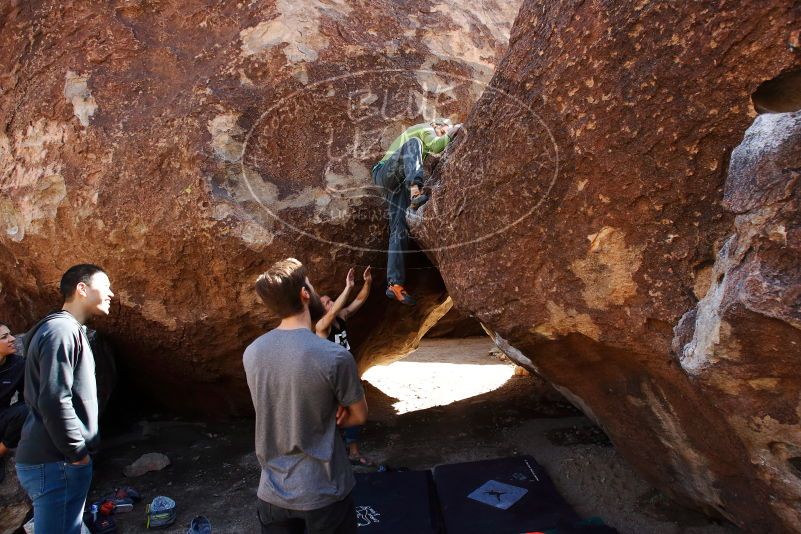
460	404
437	375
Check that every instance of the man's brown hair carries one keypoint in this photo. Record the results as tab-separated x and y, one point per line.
279	287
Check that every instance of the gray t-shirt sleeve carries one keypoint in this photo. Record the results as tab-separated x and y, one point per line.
347	386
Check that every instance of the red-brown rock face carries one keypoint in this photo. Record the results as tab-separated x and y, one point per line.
185	146
742	344
14	502
581	214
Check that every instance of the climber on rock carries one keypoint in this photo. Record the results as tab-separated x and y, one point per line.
400	174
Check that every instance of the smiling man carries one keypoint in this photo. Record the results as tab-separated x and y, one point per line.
53	458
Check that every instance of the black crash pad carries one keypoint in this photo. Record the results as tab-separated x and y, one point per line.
401	502
502	496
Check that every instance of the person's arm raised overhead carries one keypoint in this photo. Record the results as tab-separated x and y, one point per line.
324	324
361	298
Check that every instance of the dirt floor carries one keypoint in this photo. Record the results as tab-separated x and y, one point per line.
495	414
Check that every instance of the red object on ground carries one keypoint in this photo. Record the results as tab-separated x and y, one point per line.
107	508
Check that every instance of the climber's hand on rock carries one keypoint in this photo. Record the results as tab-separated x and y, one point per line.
453	130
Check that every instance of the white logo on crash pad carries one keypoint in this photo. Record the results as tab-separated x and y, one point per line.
497	494
366	516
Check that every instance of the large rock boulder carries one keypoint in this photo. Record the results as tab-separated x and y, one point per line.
186	146
454	324
741	345
580	217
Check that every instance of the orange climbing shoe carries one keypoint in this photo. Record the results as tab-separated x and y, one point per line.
396	292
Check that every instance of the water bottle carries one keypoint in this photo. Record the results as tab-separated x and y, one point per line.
93	510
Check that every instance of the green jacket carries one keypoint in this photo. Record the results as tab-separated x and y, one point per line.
425	133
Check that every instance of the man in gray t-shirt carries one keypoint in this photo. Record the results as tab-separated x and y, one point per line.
302	387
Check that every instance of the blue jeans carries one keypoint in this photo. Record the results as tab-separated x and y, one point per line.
58	491
396	175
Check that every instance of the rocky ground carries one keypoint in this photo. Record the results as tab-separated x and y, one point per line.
214	471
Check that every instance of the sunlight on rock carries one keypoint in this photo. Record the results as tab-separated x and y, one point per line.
427	378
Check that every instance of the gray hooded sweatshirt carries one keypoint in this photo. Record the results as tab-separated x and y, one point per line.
61	391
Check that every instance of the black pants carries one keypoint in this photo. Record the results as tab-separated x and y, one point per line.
401	171
11	420
337	518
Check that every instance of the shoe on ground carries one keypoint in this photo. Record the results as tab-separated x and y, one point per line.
199	525
419	200
160	513
397	292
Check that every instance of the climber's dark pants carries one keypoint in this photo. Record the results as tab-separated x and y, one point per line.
396	175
